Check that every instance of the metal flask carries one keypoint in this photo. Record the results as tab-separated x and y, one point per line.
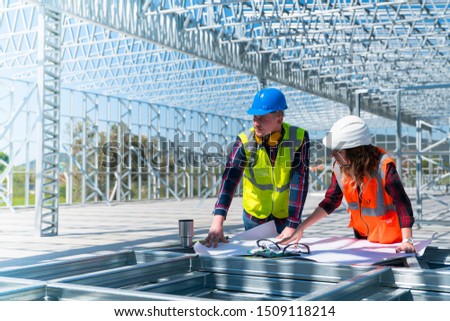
186	232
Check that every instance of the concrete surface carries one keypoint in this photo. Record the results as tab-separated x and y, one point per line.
99	228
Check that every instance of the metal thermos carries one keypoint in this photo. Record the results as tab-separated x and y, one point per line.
186	232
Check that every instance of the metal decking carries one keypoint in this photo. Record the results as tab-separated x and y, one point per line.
170	275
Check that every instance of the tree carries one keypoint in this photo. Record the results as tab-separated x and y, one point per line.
110	153
4	160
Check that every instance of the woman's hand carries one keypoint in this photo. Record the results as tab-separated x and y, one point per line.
293	238
286	232
406	247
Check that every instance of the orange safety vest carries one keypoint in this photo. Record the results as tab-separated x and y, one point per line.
372	215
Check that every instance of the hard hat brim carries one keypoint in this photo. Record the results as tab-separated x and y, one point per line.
258	111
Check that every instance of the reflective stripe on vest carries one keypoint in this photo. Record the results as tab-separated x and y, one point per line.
372	213
266	187
381	208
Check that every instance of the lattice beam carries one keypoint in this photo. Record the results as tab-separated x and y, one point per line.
47	162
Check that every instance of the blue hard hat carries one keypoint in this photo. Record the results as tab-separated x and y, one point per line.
267	101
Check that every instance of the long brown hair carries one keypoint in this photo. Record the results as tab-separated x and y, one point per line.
363	161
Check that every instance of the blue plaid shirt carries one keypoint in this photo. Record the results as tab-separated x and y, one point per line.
236	163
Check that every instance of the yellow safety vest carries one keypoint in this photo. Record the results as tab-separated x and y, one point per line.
266	187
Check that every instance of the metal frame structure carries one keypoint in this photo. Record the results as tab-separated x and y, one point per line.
160	69
173	275
47	159
328	49
149	138
431	153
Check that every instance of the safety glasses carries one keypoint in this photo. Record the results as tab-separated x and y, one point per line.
269	248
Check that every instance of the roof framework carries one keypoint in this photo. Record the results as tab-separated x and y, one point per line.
388	60
212	55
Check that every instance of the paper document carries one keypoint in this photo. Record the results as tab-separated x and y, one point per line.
325	250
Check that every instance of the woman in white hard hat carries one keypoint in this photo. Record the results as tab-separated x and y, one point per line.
380	210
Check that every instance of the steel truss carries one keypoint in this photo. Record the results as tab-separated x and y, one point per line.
109	61
127	66
328	49
96	129
158	157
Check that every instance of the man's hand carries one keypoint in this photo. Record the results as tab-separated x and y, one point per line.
215	234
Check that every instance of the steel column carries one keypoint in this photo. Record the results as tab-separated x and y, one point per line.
419	169
399	135
47	160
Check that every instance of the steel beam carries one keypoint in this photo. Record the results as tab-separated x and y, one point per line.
167	29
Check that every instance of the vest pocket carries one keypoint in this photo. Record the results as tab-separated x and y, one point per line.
389	229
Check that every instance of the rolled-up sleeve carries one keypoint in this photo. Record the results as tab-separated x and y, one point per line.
394	187
333	196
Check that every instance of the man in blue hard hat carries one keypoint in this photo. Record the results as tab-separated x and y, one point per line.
273	158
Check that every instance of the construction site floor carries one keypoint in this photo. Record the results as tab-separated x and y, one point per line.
99	229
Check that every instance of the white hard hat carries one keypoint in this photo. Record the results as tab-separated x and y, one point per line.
348	132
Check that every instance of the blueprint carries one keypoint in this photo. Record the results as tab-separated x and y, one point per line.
324	250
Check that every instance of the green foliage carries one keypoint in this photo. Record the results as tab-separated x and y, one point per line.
121	143
136	154
4	159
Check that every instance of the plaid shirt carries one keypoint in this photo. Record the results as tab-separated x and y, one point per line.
298	184
394	188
